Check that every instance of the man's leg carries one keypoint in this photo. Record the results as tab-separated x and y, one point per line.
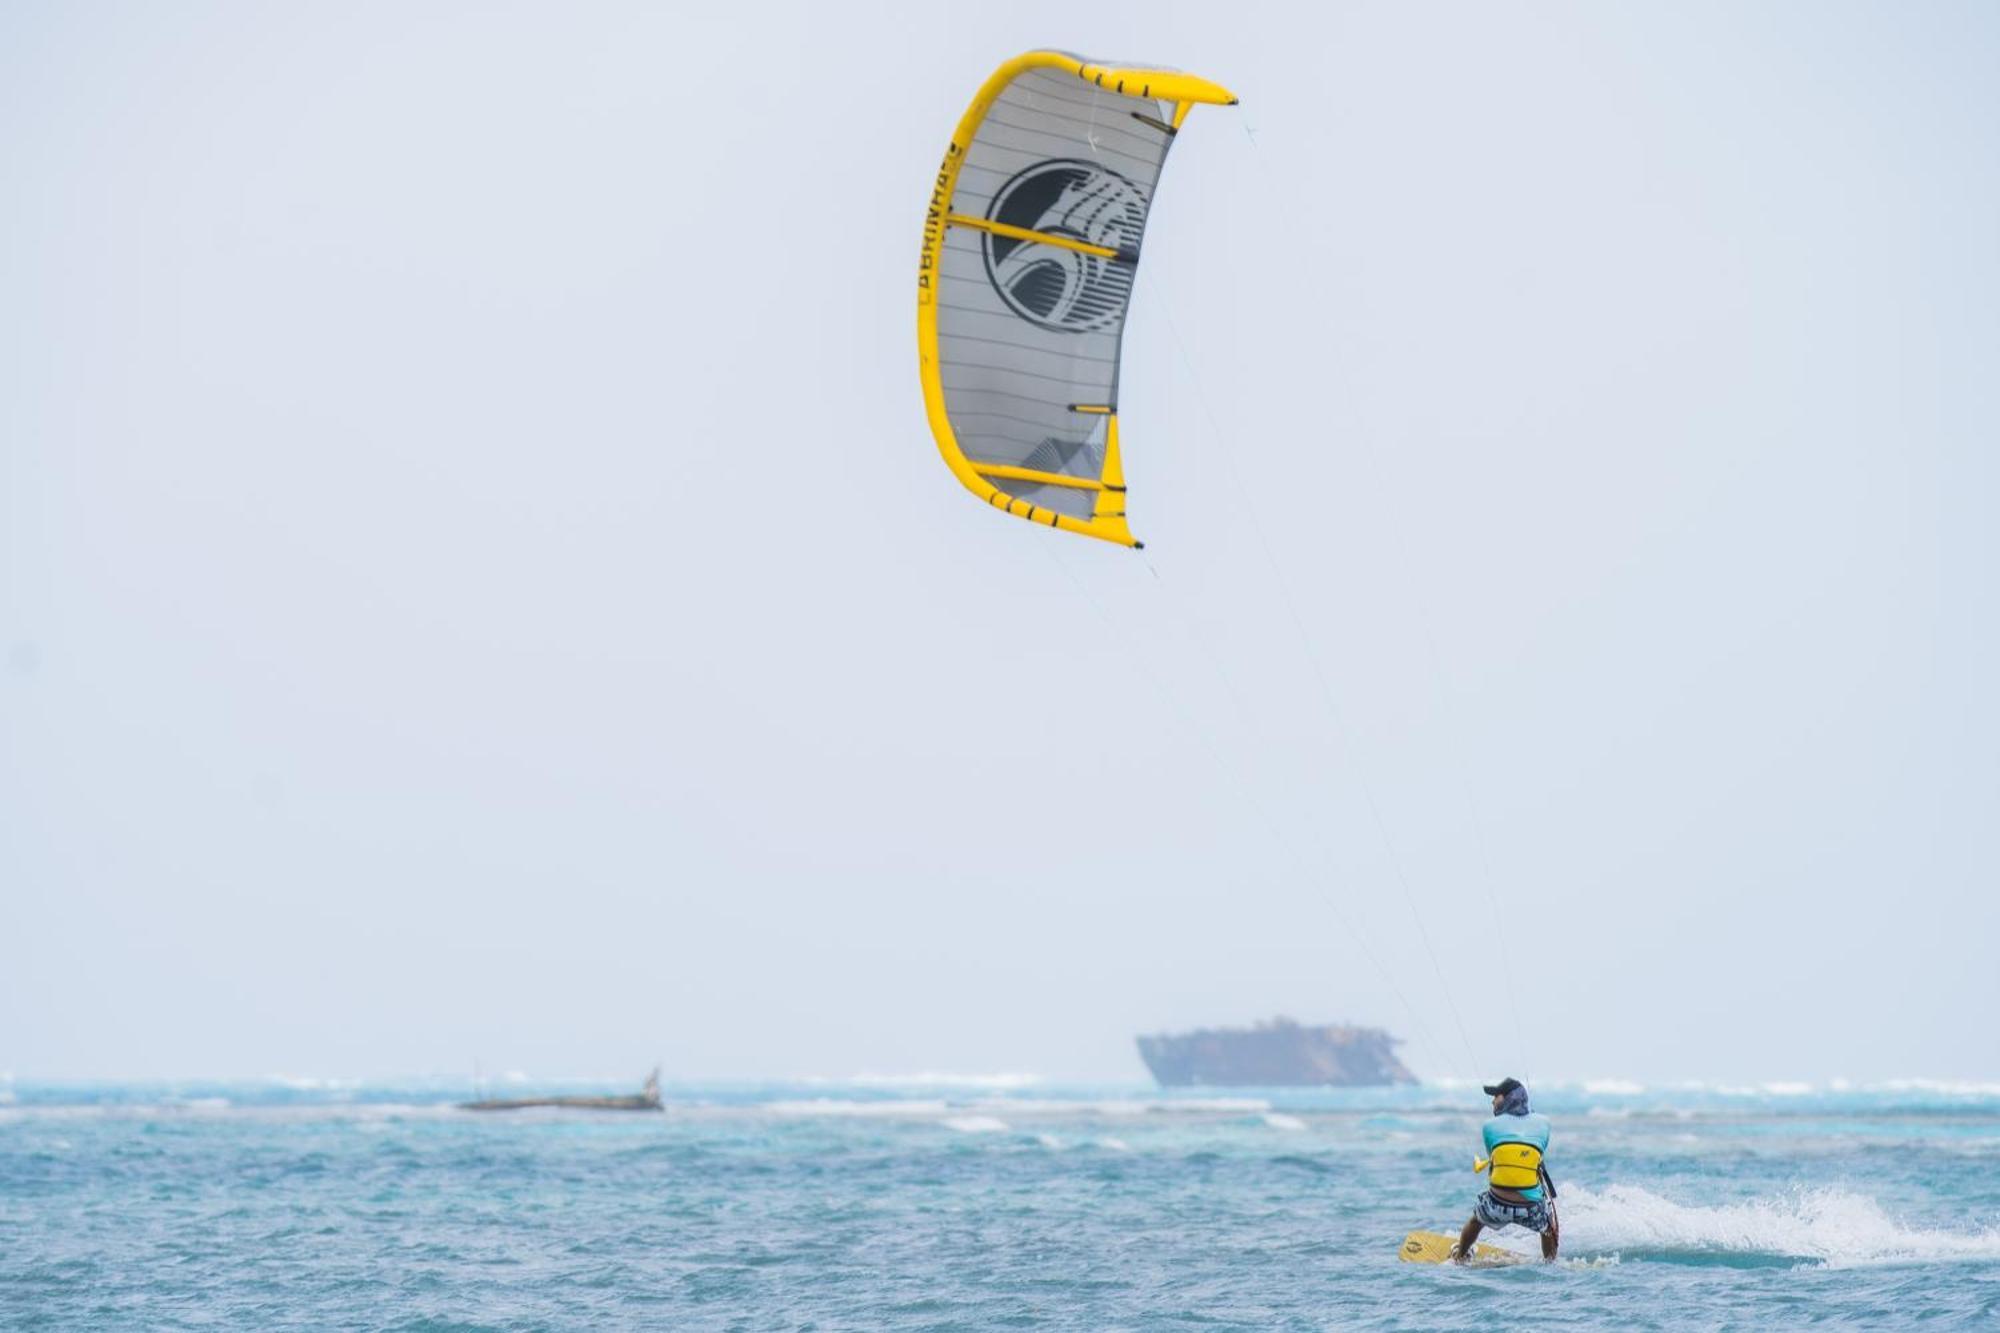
1552	1238
1473	1226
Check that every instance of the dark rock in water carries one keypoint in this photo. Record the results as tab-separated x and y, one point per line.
1278	1053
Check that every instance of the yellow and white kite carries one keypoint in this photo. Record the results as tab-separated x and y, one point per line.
1030	247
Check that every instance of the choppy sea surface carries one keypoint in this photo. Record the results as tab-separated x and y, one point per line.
982	1203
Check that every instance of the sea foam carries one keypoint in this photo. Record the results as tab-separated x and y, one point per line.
1005	1082
1830	1226
845	1106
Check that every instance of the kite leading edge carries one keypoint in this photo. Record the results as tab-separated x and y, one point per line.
1031	243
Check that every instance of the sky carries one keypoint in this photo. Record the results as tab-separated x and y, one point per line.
476	583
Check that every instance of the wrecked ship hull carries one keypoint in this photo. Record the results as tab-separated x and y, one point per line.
1280	1053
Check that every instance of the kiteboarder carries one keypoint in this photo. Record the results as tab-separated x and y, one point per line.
1519	1191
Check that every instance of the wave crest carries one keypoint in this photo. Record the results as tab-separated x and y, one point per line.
1831	1226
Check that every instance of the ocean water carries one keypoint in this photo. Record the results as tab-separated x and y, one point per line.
998	1203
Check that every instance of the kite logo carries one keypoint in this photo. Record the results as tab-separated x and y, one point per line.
1053	286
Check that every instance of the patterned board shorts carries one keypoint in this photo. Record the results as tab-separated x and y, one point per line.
1534	1214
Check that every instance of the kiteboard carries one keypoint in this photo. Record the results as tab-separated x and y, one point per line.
1430	1247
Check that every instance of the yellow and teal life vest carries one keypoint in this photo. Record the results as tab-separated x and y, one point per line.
1515	1145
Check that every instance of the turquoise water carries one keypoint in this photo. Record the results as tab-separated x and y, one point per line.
981	1205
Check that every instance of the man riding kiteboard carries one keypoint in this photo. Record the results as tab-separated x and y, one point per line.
1520	1192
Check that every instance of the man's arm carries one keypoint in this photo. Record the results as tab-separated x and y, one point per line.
1548	1181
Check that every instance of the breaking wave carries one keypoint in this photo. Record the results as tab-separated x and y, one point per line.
983	1082
845	1106
1829	1226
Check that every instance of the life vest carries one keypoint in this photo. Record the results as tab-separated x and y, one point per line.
1516	1166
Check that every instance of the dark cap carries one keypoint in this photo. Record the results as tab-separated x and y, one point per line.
1503	1087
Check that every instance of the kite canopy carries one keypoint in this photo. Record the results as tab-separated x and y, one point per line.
1030	248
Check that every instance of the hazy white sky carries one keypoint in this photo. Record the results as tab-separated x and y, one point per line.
475	580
